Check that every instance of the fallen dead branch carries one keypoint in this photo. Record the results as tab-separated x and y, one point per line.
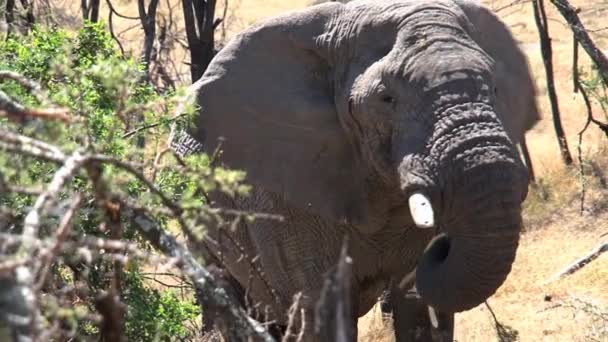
582	262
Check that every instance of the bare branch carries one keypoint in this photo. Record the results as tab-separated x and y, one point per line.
29	85
599	58
111	26
113	10
25	145
16	111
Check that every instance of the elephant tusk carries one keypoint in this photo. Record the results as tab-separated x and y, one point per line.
421	210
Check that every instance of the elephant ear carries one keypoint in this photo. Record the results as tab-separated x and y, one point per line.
516	92
267	96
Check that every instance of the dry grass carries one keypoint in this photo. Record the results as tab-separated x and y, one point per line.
375	327
556	232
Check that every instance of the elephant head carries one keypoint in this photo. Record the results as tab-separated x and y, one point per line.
360	111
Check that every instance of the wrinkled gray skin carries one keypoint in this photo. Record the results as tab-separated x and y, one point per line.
338	113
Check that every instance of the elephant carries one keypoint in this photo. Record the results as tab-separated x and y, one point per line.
393	123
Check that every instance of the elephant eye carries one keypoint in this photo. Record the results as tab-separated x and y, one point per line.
388	99
495	91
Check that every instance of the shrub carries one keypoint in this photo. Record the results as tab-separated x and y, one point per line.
111	105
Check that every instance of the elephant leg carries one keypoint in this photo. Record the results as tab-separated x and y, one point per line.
235	290
413	320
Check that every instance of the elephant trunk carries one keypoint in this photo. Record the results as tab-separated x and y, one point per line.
482	184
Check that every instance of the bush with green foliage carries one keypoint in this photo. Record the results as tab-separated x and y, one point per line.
112	106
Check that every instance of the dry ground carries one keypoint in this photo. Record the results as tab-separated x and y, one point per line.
556	233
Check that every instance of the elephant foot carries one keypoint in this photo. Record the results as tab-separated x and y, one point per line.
413	320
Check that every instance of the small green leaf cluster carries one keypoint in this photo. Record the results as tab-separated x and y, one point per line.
595	86
156	316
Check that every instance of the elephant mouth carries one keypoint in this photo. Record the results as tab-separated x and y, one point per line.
438	249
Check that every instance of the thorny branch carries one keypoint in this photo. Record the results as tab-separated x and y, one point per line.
231	318
235	319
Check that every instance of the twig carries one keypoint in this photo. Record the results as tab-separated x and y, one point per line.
16	111
303	327
604	127
579	87
10	265
511	4
111	26
575	75
108	303
291	314
112	9
152	125
503	332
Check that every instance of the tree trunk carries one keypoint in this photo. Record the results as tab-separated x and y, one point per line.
29	13
90	10
545	46
148	22
10	15
200	26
